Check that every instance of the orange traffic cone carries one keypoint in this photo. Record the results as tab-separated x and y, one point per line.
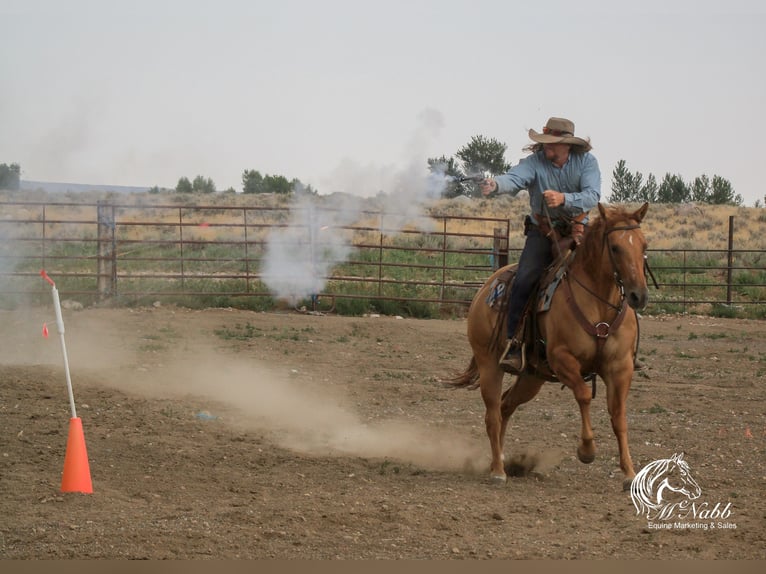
76	477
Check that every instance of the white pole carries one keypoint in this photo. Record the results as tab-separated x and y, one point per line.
60	326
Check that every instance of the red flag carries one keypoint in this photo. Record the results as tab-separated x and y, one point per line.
45	330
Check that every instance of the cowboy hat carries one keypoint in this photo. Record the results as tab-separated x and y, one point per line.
559	130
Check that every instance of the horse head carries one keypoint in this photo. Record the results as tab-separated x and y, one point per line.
677	478
626	246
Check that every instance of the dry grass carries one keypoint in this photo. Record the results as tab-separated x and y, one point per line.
667	226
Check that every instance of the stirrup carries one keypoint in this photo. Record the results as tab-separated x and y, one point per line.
514	344
511	344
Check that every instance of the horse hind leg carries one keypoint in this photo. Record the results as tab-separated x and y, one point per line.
522	391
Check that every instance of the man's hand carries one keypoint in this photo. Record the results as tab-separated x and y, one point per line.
488	186
553	198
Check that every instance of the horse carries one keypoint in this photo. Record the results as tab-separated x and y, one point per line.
658	482
586	330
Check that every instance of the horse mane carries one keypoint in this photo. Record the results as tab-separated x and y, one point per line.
642	487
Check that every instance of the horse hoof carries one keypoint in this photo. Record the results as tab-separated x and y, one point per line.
626	483
498	479
585	458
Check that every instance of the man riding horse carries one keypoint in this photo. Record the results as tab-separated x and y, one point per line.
564	183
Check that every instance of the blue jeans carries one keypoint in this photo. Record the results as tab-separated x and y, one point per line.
535	257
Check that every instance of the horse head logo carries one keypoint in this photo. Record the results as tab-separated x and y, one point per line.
662	486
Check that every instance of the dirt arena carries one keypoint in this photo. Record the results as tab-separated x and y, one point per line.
235	434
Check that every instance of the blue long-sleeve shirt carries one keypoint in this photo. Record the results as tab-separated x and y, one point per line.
579	180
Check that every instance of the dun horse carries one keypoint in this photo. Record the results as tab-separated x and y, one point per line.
586	330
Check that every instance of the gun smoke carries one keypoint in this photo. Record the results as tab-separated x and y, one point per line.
300	256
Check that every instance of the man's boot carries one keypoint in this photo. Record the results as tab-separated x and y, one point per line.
512	360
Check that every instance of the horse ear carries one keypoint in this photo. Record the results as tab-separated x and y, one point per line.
640	213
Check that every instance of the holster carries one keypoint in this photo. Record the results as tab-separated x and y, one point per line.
567	233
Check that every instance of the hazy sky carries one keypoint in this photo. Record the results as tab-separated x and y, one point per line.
344	94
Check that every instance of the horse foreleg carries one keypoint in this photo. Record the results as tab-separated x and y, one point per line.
567	368
491	385
586	450
616	399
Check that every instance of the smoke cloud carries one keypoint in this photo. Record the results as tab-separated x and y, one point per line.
316	239
299	256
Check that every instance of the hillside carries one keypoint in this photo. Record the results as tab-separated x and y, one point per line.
667	226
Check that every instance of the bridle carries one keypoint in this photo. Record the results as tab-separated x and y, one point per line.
602	329
617	278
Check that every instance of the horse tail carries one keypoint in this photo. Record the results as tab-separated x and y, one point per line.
468	379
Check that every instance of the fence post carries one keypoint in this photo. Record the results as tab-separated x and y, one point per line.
442	287
107	263
730	259
499	249
380	256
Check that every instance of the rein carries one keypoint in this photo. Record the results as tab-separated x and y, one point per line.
602	329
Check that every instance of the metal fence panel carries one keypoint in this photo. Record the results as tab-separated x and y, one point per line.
131	253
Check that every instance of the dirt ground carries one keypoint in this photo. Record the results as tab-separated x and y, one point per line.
233	434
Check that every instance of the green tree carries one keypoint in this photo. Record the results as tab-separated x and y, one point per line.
203	185
622	183
277	184
721	192
184	185
446	170
673	190
700	191
480	155
445	165
648	191
10	176
627	186
252	181
483	154
299	188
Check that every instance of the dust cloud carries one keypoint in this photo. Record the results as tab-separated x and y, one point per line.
292	410
304	417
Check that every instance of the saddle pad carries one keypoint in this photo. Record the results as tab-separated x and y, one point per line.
499	288
546	292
